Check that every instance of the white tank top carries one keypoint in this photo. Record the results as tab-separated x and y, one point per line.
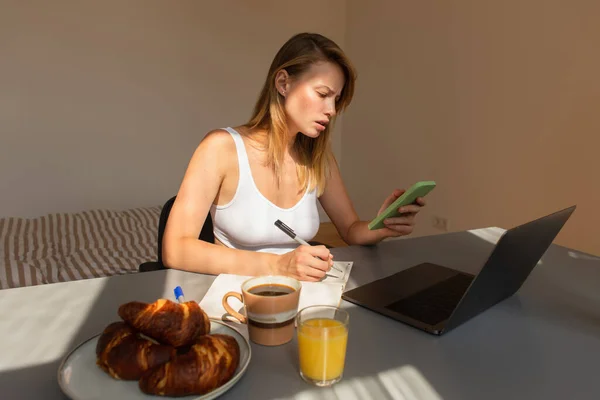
247	222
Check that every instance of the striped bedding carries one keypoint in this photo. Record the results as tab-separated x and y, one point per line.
65	247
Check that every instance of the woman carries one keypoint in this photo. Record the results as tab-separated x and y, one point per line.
275	167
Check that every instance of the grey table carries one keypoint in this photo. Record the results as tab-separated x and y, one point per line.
544	342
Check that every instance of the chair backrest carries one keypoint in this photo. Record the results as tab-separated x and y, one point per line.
206	233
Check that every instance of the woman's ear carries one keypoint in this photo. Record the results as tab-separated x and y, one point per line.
282	82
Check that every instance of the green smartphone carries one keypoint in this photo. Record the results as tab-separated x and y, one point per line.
419	189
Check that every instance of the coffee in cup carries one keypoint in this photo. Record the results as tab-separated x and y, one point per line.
271	304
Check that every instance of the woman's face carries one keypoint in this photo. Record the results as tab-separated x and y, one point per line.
310	98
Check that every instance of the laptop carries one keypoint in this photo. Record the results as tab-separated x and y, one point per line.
437	299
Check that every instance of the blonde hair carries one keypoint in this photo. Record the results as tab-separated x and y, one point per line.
315	155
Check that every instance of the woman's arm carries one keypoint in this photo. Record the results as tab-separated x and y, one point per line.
339	208
198	190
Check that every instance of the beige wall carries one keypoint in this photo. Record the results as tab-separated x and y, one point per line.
496	101
103	102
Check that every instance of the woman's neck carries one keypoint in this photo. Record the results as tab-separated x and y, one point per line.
259	135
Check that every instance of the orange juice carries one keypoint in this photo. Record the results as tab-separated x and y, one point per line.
322	348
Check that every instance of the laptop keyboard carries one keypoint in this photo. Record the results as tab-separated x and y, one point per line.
434	304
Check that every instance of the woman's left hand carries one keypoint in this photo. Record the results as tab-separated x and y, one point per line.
404	223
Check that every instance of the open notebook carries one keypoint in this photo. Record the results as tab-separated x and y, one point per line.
326	292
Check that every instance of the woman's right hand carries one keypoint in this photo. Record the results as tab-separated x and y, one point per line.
306	263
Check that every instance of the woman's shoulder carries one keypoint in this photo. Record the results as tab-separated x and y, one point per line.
217	140
215	150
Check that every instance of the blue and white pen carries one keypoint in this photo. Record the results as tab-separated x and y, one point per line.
179	294
290	232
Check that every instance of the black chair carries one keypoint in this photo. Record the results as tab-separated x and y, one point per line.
206	234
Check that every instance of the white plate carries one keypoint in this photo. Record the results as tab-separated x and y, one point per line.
80	378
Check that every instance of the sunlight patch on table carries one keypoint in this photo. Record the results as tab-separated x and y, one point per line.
490	235
403	383
22	342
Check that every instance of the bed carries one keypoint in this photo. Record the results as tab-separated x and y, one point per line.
65	247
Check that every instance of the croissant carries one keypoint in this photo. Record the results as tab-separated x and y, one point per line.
168	322
208	364
123	354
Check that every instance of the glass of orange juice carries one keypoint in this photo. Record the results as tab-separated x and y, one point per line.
322	338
